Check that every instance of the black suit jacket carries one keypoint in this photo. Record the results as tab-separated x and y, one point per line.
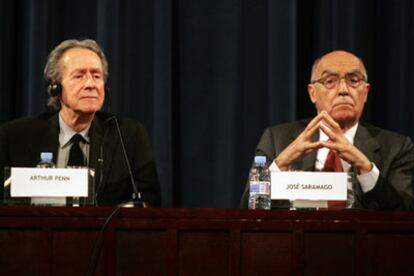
22	141
392	153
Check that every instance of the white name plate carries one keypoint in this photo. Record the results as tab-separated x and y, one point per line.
309	185
42	182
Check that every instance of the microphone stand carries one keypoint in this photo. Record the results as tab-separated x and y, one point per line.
135	202
136	195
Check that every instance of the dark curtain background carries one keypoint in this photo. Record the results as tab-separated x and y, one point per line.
207	76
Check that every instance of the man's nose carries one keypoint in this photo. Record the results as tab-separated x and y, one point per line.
343	88
89	80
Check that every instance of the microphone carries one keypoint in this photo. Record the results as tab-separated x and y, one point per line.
136	195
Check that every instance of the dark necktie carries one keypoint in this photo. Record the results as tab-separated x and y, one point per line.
333	164
76	157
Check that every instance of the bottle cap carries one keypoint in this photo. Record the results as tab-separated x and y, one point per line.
46	156
260	159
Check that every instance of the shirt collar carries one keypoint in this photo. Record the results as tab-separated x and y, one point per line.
66	133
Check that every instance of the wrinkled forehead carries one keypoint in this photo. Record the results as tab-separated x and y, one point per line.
76	59
339	63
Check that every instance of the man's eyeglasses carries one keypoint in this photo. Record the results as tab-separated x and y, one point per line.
332	81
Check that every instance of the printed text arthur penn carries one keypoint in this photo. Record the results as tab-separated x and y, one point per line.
49	178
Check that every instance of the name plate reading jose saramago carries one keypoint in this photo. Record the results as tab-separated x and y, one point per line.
41	182
309	185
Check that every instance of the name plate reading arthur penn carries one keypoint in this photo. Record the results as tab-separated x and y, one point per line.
309	185
41	182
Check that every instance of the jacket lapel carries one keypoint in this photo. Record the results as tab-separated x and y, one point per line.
368	145
47	139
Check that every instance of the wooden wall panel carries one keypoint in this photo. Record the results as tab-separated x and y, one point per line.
59	241
203	253
390	254
329	254
266	253
140	252
72	250
20	252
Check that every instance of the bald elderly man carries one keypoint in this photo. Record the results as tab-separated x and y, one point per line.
382	161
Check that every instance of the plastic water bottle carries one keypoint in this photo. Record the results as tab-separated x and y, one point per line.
46	160
259	185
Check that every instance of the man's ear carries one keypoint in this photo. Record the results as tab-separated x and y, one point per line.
312	93
367	89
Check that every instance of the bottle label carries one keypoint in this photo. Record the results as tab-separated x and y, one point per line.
260	187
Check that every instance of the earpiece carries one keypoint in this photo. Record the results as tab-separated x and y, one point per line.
54	88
